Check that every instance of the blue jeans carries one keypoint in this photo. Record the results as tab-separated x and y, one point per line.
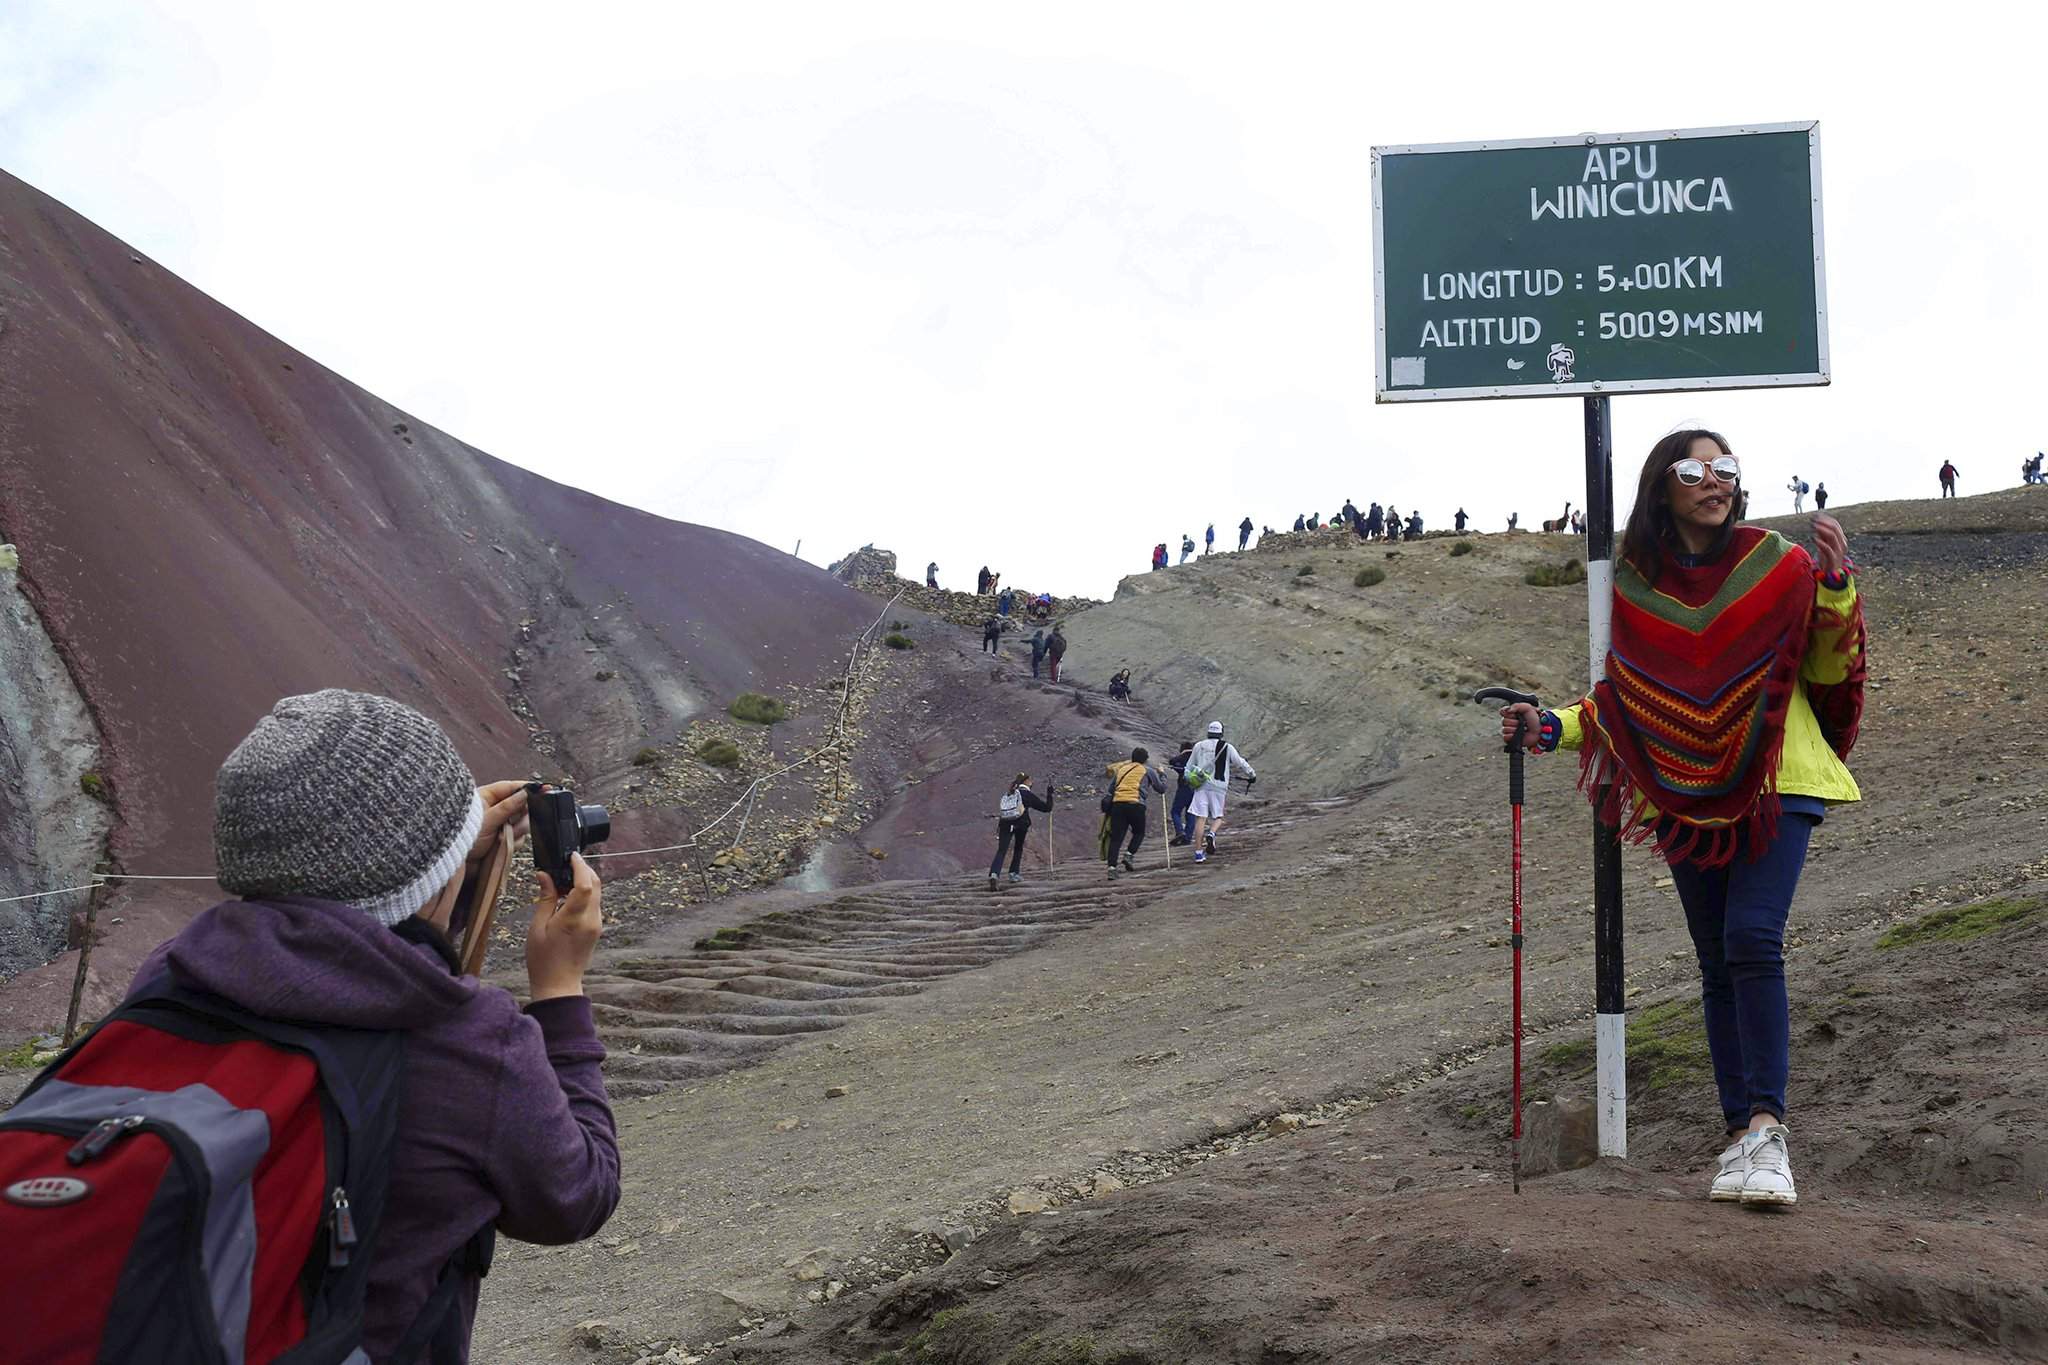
1183	823
1737	917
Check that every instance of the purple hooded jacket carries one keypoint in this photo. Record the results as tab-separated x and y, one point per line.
503	1118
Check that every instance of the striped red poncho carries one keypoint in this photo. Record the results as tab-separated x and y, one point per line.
1700	676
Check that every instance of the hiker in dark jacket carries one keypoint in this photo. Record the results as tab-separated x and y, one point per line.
1037	651
931	574
347	824
1244	533
1013	822
1460	518
1128	783
1375	521
992	635
1300	522
981	582
1055	650
1183	824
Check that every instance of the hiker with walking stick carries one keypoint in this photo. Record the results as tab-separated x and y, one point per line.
1721	741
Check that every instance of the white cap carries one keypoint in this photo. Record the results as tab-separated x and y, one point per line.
1215	727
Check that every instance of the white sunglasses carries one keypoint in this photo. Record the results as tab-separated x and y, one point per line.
1692	473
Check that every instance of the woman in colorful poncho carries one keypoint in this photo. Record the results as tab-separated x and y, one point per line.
1732	694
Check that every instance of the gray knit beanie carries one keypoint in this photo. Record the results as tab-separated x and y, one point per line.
347	797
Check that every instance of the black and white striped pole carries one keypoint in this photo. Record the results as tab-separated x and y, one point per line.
1610	1019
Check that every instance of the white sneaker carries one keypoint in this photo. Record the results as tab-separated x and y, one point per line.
1770	1168
1732	1170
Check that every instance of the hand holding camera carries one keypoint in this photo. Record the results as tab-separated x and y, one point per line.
568	910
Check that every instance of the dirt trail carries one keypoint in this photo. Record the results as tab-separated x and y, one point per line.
1335	959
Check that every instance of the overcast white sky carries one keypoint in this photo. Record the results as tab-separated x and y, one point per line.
1032	286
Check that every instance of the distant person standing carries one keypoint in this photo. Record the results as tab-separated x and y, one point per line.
981	582
1208	771
1414	526
1820	496
992	635
1013	822
1315	521
1244	533
1350	512
1798	491
931	574
1159	556
1187	546
1513	518
1003	600
1948	475
1055	650
1375	521
1300	522
1209	540
1459	519
1037	650
1183	823
1125	806
1393	523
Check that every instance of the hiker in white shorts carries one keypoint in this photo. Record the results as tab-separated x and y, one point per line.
1214	759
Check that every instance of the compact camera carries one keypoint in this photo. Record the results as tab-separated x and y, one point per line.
560	829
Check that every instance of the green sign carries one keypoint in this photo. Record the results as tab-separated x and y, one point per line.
1600	264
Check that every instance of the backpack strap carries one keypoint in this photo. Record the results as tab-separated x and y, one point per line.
437	1330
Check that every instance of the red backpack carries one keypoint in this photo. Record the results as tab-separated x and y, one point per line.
194	1183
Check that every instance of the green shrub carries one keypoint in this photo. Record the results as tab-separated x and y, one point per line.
1368	576
95	786
760	710
719	753
1555	575
898	640
1304	571
647	758
605	675
1463	547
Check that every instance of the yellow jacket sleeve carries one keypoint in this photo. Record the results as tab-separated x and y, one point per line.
1826	661
1572	732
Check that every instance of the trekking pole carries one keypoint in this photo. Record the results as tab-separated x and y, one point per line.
1514	750
1166	831
1052	787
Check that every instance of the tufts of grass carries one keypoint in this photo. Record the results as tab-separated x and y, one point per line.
1555	575
726	940
719	753
95	786
757	709
1304	571
898	640
19	1058
647	758
1667	1046
1368	576
605	675
1462	547
1960	923
1571	1058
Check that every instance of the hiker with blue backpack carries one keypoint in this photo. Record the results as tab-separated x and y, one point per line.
1208	771
305	1073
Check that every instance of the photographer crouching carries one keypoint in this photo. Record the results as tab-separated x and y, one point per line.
347	824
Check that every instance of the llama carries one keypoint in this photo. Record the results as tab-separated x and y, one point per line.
1562	522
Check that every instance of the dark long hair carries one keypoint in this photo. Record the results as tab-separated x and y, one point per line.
1649	537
